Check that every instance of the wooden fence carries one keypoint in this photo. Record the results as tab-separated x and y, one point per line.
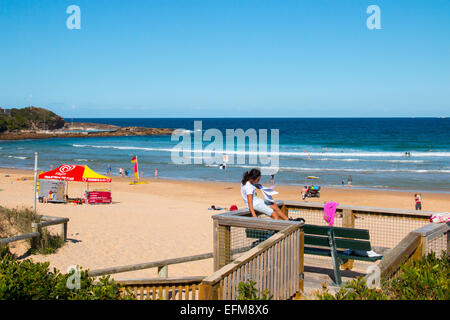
37	227
187	288
275	265
414	246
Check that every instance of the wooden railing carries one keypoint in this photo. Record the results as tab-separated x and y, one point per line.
413	247
36	233
275	265
187	288
162	265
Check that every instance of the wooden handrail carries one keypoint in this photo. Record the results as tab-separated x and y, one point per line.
162	281
19	237
392	211
244	258
398	255
147	265
37	226
250	222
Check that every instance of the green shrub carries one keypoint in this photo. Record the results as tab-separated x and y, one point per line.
355	290
247	291
26	280
20	219
425	279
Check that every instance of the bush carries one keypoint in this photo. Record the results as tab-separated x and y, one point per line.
356	290
26	280
247	291
20	220
425	279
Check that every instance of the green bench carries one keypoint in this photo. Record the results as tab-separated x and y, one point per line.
334	242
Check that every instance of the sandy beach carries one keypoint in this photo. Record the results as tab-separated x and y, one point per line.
165	219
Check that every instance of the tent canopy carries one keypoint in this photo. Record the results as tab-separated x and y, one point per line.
69	172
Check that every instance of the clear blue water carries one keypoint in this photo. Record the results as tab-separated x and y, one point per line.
370	150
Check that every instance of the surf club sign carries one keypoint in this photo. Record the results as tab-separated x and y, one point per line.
237	147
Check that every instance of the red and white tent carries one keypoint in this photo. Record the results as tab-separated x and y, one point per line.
68	172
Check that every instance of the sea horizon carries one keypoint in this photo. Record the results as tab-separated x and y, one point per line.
369	151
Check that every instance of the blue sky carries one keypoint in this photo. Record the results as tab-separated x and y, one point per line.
208	58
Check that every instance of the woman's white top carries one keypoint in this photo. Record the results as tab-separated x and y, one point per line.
247	189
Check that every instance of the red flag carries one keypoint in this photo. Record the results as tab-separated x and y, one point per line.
134	160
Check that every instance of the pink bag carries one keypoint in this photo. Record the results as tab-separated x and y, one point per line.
440	217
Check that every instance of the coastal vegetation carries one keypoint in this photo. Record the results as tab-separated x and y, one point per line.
30	118
40	123
425	279
248	291
26	280
18	221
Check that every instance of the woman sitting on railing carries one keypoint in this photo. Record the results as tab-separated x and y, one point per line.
249	184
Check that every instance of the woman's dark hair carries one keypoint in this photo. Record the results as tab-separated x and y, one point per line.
252	174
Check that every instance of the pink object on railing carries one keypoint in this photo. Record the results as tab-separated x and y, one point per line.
440	217
329	211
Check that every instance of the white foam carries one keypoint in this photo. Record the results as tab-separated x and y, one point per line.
286	153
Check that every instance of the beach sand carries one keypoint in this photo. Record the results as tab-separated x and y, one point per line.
165	219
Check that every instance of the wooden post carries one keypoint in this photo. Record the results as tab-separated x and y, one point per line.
348	221
35	241
216	245
301	270
222	245
64	231
163	271
421	249
208	291
285	210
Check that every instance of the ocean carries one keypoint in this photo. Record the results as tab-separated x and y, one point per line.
369	151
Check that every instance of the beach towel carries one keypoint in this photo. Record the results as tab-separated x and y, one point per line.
329	211
267	193
440	217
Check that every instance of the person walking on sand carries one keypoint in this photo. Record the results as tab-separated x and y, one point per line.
249	183
349	181
418	200
156	173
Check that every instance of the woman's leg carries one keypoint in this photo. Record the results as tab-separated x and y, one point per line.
277	213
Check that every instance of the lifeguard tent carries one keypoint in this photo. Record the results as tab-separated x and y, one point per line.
58	179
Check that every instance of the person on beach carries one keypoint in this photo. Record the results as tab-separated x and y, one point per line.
304	192
109	171
156	173
349	181
249	184
418	200
49	197
272	179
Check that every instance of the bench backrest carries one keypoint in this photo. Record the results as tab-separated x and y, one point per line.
345	238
